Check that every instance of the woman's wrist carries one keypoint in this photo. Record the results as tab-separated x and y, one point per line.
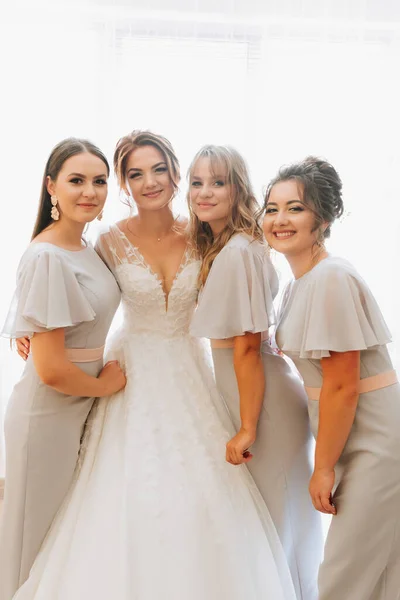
249	428
323	465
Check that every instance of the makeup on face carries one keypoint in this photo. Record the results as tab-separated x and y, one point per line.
81	187
289	224
210	193
148	178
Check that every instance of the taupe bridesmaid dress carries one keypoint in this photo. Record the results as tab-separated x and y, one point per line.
43	428
331	309
237	298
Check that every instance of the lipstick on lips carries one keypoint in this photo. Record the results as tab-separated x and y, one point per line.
282	235
153	194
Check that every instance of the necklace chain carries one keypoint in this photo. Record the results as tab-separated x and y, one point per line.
158	238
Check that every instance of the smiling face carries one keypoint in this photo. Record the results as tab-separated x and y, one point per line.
289	224
148	178
80	187
210	193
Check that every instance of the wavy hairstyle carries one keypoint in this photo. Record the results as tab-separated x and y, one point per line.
321	190
60	153
137	139
244	206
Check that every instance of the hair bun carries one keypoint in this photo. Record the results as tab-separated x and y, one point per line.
324	173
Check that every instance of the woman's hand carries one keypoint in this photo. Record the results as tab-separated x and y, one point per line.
112	377
237	449
23	347
320	488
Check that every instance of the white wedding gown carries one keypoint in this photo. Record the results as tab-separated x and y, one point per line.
155	512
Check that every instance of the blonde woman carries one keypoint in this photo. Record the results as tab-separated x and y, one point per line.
155	511
265	397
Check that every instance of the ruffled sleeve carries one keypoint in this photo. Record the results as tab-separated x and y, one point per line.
333	310
48	296
237	296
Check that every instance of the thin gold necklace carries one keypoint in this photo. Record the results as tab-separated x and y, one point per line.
159	238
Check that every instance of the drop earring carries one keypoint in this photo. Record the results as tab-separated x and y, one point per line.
55	215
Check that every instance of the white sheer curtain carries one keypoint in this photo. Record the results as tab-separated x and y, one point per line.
279	80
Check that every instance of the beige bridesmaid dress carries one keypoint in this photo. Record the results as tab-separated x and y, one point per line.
43	428
237	298
331	309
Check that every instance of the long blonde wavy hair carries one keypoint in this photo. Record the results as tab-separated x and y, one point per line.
243	217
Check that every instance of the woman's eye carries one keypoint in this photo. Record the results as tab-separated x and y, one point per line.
219	183
134	175
76	180
196	184
296	209
101	181
269	211
161	169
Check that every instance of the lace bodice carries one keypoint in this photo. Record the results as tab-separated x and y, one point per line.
146	307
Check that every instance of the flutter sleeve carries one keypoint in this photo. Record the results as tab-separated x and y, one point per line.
48	296
334	312
237	296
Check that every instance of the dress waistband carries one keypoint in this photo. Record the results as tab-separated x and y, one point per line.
84	355
227	343
369	384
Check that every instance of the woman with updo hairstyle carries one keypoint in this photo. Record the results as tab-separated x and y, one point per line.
331	327
63	306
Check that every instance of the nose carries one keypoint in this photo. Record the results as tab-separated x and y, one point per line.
149	180
89	190
206	191
280	218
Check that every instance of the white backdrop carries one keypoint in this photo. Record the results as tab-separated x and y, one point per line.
278	80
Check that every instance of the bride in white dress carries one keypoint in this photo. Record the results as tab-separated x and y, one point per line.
155	511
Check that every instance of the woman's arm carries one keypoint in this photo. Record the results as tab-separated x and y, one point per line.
250	378
337	409
56	371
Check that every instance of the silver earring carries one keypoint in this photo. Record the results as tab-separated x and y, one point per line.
55	215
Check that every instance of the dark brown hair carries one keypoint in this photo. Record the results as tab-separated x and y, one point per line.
321	186
60	153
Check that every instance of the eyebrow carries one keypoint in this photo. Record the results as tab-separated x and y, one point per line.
289	202
84	176
153	167
214	177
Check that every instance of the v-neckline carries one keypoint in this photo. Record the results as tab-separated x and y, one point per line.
146	265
